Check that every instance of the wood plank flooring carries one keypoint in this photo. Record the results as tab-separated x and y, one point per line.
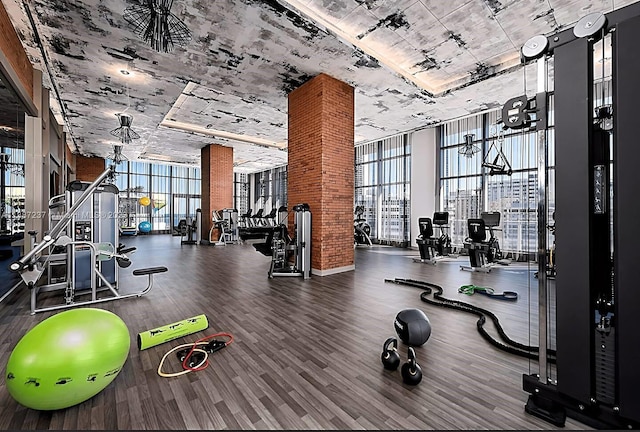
306	353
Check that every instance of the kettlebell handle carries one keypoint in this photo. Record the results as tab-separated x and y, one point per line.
412	360
390	341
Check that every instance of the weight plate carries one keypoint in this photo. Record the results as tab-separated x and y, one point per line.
589	24
535	46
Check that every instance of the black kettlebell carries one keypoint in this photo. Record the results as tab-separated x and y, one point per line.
390	357
411	372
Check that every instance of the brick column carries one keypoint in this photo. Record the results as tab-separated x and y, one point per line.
321	168
217	183
89	168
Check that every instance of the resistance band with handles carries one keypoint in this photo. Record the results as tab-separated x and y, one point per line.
489	292
509	344
204	346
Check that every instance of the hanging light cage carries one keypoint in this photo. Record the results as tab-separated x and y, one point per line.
156	25
124	132
468	149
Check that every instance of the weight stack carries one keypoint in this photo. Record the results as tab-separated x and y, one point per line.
605	364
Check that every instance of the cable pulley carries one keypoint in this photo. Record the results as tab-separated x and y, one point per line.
534	47
589	24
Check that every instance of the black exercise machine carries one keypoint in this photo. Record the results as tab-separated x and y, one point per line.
256	218
190	229
483	253
289	256
223	226
258	231
432	249
82	242
361	229
245	219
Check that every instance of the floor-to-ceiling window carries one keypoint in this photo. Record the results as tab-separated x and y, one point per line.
461	173
160	197
366	182
469	185
185	194
173	192
241	192
270	189
382	186
12	190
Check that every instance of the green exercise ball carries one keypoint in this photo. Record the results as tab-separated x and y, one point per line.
67	358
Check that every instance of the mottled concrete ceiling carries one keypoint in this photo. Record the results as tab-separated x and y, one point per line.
412	63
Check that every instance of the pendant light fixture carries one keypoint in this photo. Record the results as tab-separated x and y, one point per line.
156	25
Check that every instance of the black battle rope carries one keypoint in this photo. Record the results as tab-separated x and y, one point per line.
511	346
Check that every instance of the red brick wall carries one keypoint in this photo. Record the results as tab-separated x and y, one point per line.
217	183
321	166
89	168
11	47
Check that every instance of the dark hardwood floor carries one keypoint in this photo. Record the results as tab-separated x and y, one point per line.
306	353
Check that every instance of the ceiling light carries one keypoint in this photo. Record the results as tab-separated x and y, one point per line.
468	149
124	132
156	25
117	157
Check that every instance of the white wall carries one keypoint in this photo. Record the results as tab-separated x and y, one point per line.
423	178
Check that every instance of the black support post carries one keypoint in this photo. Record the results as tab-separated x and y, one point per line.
627	215
573	119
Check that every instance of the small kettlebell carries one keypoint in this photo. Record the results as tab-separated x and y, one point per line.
411	372
390	357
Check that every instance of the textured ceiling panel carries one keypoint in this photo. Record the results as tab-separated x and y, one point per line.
230	83
384	8
441	9
358	21
474	28
565	11
380	40
539	18
335	9
445	61
423	31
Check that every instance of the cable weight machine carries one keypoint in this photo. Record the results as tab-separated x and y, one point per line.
86	233
596	300
293	257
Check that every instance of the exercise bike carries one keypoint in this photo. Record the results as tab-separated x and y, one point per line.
483	254
432	249
361	229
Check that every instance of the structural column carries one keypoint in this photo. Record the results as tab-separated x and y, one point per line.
35	211
217	183
89	168
321	168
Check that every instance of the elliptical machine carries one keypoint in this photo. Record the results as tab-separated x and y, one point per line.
361	229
